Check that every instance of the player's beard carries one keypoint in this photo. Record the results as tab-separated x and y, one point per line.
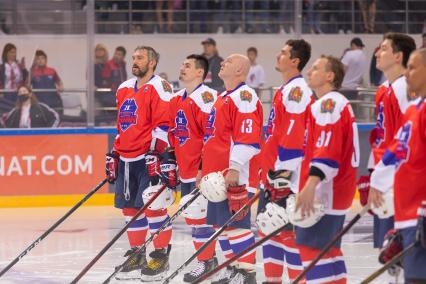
141	72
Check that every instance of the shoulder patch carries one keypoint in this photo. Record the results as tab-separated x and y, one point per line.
166	86
295	94
246	96
207	97
328	105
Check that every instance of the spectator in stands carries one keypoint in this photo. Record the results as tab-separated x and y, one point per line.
368	11
101	57
46	78
257	16
355	63
198	15
256	76
314	15
210	52
29	113
12	72
114	71
159	4
229	16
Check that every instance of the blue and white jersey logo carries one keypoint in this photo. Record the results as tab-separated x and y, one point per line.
380	125
209	130
403	150
181	130
270	126
127	115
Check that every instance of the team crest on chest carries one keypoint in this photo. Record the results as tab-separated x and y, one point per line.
403	149
328	105
207	97
379	130
295	94
127	116
246	96
166	86
209	129
181	130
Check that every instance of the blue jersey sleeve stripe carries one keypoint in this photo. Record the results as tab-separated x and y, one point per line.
255	145
327	162
163	127
289	154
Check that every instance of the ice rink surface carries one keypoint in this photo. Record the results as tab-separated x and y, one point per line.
63	254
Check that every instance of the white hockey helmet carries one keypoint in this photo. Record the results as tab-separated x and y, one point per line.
163	201
197	209
296	217
212	186
273	218
387	209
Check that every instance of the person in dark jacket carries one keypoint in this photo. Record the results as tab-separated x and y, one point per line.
29	113
210	52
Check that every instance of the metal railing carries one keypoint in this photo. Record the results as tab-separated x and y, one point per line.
211	16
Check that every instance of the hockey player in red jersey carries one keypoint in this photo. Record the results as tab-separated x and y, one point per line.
231	138
134	162
403	167
333	156
189	110
392	100
282	152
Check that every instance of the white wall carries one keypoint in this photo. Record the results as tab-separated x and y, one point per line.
67	53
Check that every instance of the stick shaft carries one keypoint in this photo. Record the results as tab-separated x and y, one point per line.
53	227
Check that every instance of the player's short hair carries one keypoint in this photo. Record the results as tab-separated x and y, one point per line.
121	49
8	47
40	52
200	63
152	54
300	49
402	43
252	49
336	66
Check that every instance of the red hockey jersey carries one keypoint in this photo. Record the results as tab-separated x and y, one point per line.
233	131
188	115
296	102
333	147
392	101
405	160
142	114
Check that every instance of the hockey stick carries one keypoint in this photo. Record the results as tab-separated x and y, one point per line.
335	239
117	236
212	238
388	264
162	228
53	227
240	254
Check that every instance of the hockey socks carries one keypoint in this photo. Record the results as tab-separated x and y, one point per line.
201	232
137	231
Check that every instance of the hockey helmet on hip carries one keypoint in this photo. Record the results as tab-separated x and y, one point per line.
296	217
213	187
163	201
273	218
387	209
197	209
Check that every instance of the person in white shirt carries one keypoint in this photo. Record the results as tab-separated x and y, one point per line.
355	63
256	76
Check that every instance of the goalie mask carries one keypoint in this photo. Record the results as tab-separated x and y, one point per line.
296	217
212	186
197	209
273	218
387	209
163	201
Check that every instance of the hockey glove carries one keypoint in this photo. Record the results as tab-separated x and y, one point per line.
392	245
169	175
237	198
364	189
111	166
152	163
277	189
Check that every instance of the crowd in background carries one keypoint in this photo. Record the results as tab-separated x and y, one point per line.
45	86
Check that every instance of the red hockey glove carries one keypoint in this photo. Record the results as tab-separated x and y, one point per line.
237	198
111	166
364	189
152	163
169	175
392	245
